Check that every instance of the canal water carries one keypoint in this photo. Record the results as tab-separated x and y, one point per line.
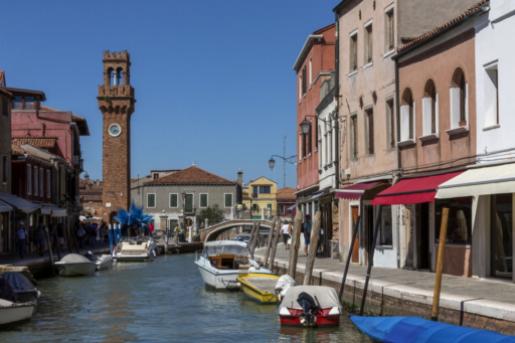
160	301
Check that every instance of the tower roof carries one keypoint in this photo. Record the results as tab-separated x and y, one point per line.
192	176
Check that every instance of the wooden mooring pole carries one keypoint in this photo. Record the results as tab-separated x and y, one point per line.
439	264
253	239
371	258
295	243
277	235
349	257
313	245
269	242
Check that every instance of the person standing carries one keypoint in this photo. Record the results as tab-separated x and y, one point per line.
285	231
306	230
21	239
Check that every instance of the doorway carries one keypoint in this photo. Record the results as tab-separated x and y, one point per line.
355	246
423	253
502	235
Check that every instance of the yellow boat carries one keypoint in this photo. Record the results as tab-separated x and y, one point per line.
260	287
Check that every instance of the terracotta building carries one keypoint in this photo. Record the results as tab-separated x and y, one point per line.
369	32
314	65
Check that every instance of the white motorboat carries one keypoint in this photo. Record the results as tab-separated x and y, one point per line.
135	250
75	265
13	312
222	262
104	262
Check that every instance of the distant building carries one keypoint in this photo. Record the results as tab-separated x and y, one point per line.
176	198
260	198
91	198
286	202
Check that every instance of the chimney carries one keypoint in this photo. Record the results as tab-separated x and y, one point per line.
239	180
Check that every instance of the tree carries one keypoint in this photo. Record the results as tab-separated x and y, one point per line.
214	215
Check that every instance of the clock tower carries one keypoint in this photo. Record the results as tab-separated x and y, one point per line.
116	102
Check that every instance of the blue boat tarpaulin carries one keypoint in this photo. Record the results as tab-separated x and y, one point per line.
419	330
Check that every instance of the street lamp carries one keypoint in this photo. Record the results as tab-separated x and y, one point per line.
305	125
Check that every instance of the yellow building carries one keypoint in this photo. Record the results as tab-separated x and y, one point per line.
260	196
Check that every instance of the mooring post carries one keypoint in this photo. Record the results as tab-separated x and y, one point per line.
313	245
439	264
371	258
294	250
349	257
253	239
277	234
269	241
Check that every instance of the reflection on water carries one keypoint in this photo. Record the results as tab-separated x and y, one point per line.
160	301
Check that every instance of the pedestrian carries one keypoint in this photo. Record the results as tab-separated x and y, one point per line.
81	233
151	228
39	238
285	231
306	230
21	239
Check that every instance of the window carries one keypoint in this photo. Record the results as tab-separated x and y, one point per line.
29	179
4	169
228	200
310	72
265	189
203	200
188	203
430	109
353	59
354	137
390	120
324	154
407	116
174	200
48	184
155	176
330	143
309	147
36	181
368	44
386	232
304	145
458	227
320	147
369	134
304	81
151	200
491	95
459	97
300	88
389	30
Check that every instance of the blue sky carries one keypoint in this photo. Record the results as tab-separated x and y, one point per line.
213	78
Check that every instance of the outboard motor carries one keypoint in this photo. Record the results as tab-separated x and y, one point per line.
310	308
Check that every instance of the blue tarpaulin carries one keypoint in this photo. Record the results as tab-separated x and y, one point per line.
419	330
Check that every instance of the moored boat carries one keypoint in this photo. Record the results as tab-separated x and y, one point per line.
417	330
221	262
259	286
75	265
310	306
12	312
18	298
135	250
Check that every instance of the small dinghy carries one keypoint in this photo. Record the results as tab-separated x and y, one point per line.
18	298
419	330
260	287
310	306
75	265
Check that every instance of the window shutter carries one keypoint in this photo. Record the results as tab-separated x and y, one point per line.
426	114
467	103
437	114
454	95
405	122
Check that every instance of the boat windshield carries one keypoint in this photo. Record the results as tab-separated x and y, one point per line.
226	249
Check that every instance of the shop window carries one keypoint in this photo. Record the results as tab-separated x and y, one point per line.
459	224
385	228
502	235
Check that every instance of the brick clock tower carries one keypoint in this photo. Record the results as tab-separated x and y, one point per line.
116	102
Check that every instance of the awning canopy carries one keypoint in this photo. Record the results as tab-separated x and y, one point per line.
480	181
19	203
356	191
53	210
5	207
415	190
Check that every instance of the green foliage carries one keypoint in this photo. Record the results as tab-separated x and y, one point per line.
214	215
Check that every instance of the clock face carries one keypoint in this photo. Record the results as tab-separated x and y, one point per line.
114	130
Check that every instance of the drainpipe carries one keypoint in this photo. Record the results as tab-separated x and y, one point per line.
399	171
337	95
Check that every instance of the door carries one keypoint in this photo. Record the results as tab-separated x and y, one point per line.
501	236
324	246
423	254
355	246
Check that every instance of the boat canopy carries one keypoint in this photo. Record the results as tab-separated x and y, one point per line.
16	287
73	258
325	296
232	249
418	330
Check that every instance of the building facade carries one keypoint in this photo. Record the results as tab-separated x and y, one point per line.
260	198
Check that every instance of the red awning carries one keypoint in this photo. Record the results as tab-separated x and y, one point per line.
412	191
355	191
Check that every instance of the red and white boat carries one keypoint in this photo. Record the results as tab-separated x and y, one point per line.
310	306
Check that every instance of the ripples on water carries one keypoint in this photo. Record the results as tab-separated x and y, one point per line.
161	301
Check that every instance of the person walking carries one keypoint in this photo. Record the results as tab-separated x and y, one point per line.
39	239
306	230
21	239
285	231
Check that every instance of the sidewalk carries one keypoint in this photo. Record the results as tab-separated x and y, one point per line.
484	299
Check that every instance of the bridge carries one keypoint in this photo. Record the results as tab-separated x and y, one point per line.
215	231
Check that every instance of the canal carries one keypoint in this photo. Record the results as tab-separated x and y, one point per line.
161	301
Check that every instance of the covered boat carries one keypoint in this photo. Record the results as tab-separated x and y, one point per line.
102	262
310	306
18	298
75	265
418	330
259	286
135	250
221	262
